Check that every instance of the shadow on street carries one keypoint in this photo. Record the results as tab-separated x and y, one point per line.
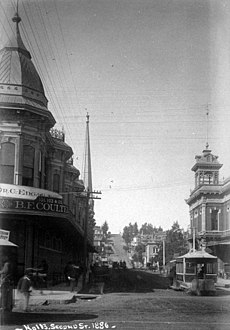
16	318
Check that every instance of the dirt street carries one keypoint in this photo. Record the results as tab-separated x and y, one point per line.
159	309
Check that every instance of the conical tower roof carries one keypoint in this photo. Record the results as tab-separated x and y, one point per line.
20	84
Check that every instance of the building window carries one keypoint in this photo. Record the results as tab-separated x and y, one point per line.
214	220
190	268
7	160
47	240
208	178
56	183
40	169
28	166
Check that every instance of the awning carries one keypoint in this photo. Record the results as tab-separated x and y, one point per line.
5	242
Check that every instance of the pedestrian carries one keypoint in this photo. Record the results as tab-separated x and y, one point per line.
43	275
71	275
66	272
79	270
24	288
201	273
91	272
172	275
6	283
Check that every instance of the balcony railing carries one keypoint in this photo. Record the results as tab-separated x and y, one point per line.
211	233
223	233
57	134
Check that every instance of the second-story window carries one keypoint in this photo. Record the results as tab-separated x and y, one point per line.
40	169
214	220
28	166
56	183
7	159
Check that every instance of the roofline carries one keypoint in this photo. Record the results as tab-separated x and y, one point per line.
24	107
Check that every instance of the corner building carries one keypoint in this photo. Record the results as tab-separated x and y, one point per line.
39	186
209	206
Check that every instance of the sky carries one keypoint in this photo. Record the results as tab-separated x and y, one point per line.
147	72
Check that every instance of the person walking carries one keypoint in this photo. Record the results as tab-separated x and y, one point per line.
24	288
67	271
43	275
70	275
6	301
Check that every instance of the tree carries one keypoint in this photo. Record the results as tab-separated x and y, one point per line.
129	232
139	250
148	229
105	228
175	243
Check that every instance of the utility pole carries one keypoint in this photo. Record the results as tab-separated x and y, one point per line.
164	238
88	197
164	254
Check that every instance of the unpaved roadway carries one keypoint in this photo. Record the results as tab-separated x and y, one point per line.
160	309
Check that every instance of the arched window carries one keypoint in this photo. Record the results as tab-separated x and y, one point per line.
7	160
28	166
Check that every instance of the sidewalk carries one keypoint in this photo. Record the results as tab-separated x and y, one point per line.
58	294
223	284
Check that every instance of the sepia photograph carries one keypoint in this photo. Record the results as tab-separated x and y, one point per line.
114	164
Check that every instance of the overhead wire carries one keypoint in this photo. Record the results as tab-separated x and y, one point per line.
64	116
39	45
65	49
7	18
25	34
60	77
41	71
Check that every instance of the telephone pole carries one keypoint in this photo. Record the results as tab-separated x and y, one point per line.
89	196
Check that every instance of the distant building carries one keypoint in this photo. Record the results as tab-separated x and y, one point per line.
209	206
151	251
103	246
98	238
151	242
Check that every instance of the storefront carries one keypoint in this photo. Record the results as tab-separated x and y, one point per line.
41	226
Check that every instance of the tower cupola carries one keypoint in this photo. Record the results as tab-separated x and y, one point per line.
206	168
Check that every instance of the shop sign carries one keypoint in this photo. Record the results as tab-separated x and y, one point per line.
4	234
41	204
15	191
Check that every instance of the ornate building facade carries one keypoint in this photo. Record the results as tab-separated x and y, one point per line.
42	202
209	206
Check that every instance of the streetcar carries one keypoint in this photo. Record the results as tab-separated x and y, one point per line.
196	272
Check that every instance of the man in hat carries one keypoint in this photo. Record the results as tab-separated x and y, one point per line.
24	288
